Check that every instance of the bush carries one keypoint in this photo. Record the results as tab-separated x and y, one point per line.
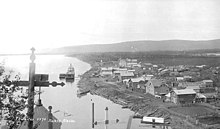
12	104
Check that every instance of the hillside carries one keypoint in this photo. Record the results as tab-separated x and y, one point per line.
141	46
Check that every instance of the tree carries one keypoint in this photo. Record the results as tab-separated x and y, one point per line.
11	102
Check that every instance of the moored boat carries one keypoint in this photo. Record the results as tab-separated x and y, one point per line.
69	75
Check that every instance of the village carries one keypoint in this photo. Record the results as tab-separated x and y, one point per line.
164	82
184	93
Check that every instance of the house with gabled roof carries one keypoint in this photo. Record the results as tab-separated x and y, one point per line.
208	83
137	84
126	75
157	87
183	96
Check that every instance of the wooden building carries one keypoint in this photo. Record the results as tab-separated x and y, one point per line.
184	96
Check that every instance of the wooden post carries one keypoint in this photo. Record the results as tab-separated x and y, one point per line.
30	112
106	116
93	119
50	118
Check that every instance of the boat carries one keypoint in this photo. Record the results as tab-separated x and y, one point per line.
69	75
82	93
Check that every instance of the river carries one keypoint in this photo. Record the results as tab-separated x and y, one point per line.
76	112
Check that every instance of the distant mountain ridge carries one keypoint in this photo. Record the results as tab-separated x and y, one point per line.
142	46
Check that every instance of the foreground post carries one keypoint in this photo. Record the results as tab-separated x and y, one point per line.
93	119
50	118
30	112
106	116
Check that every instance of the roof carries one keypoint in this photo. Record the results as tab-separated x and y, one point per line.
209	95
106	72
161	90
137	65
153	119
179	78
148	78
186	84
207	81
106	68
147	64
156	82
132	63
168	95
193	87
116	72
127	74
155	65
184	91
132	70
40	112
187	76
199	95
122	69
131	59
135	79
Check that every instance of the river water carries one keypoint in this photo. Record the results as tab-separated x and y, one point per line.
67	107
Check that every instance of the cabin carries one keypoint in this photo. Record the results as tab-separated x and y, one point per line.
106	71
127	62
206	97
210	93
183	96
187	78
208	83
126	75
190	84
137	84
197	89
157	87
179	79
122	63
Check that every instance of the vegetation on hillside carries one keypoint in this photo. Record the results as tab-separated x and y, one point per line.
167	58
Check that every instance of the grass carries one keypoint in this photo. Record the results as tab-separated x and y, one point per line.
192	111
210	120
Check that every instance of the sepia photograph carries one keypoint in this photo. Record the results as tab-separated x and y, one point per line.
110	64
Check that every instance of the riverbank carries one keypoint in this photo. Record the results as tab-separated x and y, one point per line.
141	104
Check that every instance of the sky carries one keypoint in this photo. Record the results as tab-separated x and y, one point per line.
56	23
